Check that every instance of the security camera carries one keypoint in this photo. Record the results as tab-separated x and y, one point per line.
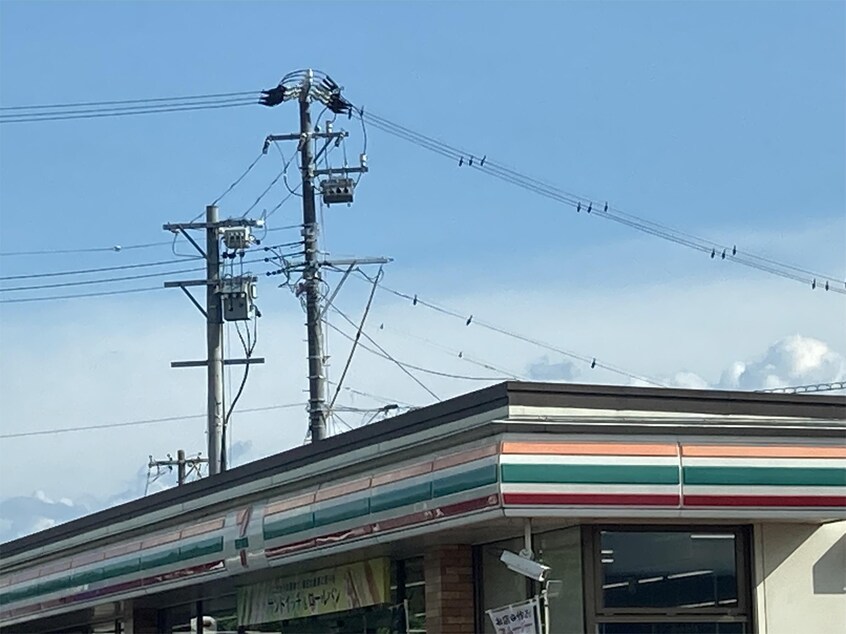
525	566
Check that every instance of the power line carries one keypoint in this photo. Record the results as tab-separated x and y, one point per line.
593	362
104	269
239	179
110	280
807	389
601	209
26	300
117	248
134	423
122	112
130	101
381	352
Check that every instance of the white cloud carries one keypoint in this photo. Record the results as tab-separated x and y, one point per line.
107	361
545	370
793	360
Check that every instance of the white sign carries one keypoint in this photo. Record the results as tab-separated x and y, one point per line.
517	618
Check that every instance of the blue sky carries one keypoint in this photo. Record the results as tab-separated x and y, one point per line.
723	119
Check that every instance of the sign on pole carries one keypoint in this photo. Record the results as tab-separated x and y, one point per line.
517	618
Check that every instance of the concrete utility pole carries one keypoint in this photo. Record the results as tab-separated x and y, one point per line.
232	301
311	276
338	187
181	463
214	342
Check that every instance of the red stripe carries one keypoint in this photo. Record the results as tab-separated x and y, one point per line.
580	499
765	500
440	512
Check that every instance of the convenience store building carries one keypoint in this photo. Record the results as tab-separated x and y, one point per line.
659	511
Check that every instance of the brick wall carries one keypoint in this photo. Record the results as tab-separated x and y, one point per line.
450	605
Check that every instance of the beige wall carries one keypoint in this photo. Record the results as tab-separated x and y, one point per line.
800	576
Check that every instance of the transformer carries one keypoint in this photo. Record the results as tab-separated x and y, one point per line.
237	295
337	190
237	238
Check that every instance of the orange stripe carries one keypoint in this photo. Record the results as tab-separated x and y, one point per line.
122	549
335	491
463	456
402	474
771	451
289	503
87	558
589	449
205	527
158	540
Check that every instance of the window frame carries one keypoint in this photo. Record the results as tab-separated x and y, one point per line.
596	613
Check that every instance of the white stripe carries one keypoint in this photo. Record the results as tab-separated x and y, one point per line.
813	463
728	491
639	489
545	459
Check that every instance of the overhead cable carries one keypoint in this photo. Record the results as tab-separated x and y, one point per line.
592	362
49	298
95	110
126	102
134	423
104	269
601	209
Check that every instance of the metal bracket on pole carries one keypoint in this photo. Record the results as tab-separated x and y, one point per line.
204	363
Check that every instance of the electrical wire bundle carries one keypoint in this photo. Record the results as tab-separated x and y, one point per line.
601	209
126	107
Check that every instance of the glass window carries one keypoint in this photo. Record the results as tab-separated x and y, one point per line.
668	580
500	586
660	569
672	628
562	551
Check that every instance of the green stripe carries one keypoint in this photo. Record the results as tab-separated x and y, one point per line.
156	560
401	497
342	512
589	474
766	476
119	569
122	568
201	548
289	525
89	576
464	481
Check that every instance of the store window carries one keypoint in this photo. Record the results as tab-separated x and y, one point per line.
668	580
499	586
561	550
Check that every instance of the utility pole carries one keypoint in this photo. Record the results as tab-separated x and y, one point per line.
311	275
338	187
183	465
214	343
231	301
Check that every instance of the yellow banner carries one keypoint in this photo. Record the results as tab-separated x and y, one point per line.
320	592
